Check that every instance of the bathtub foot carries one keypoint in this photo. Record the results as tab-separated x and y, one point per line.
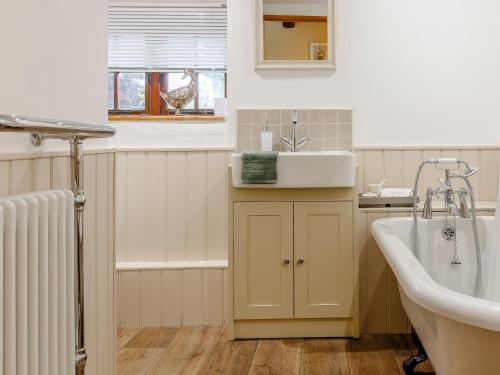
410	363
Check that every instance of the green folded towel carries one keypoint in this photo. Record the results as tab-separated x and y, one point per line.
259	167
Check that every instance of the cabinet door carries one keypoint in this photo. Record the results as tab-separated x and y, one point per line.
263	260
324	258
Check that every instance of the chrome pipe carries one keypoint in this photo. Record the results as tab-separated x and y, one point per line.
76	168
475	231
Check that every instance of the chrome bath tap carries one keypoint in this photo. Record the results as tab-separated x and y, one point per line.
294	143
447	192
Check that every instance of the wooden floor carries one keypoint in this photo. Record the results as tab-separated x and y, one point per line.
206	350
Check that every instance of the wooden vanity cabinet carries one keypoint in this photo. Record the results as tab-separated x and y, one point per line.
292	266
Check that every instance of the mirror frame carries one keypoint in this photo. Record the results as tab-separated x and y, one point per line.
293	64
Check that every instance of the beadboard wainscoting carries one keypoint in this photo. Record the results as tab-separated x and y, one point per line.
171	205
36	172
398	167
171	239
171	294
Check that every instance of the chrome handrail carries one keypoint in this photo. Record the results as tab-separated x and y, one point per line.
50	128
75	133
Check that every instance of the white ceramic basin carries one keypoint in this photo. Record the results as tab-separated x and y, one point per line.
314	169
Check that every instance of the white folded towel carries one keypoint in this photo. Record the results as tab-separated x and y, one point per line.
396	192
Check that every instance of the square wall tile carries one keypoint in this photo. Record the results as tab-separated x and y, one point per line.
345	116
345	131
330	131
244	117
331	116
345	144
316	131
316	116
316	144
330	145
259	117
274	117
244	132
244	145
255	144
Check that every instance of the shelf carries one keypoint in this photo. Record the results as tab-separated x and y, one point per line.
162	118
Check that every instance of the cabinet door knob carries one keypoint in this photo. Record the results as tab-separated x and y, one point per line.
286	261
300	261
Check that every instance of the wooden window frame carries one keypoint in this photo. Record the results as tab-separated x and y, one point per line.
154	105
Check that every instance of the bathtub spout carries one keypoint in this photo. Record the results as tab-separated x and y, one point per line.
427	211
464	208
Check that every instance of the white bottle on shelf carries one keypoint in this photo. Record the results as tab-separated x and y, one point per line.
266	138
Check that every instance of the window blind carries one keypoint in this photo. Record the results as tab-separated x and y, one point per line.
162	37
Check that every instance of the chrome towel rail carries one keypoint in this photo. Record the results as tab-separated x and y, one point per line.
41	128
75	133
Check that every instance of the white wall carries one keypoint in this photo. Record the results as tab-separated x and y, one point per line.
53	62
173	135
414	72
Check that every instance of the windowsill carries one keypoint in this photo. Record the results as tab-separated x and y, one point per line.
159	118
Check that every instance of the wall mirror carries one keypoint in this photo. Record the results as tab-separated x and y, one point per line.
295	34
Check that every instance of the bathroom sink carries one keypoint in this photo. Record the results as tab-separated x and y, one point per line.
307	169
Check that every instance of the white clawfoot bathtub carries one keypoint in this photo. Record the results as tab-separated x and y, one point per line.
460	333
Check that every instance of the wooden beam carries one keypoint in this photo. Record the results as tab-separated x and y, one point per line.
285	18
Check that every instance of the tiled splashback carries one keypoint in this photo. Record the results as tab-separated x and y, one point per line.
330	129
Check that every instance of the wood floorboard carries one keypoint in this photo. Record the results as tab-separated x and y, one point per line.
136	361
207	351
230	357
324	357
275	356
401	350
372	354
153	337
187	351
123	336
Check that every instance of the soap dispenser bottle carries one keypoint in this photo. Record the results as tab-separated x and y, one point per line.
266	138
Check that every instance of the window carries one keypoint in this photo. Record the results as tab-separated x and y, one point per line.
149	46
139	93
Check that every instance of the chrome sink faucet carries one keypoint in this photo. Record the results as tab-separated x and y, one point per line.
294	143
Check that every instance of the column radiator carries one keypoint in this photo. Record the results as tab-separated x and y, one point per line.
37	284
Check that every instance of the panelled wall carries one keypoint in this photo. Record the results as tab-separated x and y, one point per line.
43	172
380	305
171	214
172	297
398	167
171	207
